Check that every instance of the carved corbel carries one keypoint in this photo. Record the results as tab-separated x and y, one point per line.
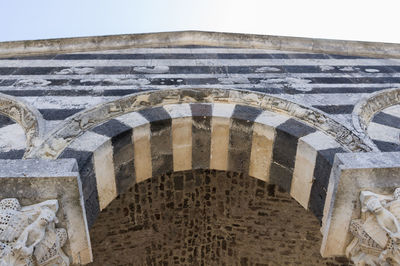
377	233
28	235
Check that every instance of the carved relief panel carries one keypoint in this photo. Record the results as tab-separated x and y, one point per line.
28	235
377	233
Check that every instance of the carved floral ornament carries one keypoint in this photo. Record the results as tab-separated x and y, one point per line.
28	235
377	233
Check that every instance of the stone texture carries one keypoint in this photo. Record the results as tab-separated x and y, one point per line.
206	218
105	174
124	165
182	143
261	151
141	139
201	131
219	143
161	139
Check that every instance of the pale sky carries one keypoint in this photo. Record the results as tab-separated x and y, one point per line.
349	20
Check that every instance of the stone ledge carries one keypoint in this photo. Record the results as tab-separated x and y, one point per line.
35	181
37	168
163	39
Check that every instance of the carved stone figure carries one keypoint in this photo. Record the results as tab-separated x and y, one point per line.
377	234
28	235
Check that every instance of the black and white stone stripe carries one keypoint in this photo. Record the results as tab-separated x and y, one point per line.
268	146
384	129
61	85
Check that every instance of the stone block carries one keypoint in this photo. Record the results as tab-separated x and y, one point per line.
201	135
261	151
219	143
182	143
142	146
105	175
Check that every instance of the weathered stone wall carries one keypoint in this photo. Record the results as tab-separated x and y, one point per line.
58	86
206	218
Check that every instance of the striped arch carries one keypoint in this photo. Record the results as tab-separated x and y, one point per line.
273	147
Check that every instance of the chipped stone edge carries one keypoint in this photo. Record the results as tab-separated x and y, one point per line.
59	138
164	39
28	117
368	106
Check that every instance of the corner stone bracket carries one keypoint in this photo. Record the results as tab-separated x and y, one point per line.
28	235
362	209
377	233
42	214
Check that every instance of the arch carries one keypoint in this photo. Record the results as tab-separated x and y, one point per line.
368	106
28	117
272	147
364	112
76	125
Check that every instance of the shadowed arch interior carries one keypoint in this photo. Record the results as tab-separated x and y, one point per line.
206	217
269	146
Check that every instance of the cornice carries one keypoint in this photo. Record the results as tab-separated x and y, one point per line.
179	38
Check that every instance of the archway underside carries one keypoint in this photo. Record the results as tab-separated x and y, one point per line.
206	217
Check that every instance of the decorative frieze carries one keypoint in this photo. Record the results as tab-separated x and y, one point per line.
76	125
28	235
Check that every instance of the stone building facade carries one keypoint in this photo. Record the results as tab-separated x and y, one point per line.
199	148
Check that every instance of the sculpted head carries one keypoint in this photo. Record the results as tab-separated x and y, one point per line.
47	216
373	204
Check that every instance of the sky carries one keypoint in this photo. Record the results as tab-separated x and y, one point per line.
347	20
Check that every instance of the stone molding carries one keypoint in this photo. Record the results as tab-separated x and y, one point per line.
74	126
163	39
26	116
368	106
28	235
